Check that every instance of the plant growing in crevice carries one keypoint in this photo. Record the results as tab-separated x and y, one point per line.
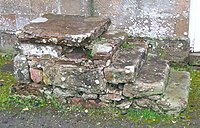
127	45
89	54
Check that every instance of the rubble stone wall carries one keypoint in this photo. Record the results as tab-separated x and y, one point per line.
79	61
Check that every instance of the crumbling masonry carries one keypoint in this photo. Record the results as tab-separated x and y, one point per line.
77	60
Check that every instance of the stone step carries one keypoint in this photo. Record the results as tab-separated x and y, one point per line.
127	62
151	80
175	98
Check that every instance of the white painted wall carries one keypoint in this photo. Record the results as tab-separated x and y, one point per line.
194	25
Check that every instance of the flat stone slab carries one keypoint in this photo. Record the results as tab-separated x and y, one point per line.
70	30
151	80
126	63
175	98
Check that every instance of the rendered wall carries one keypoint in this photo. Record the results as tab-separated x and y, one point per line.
140	17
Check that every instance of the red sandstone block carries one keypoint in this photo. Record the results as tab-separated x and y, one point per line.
36	75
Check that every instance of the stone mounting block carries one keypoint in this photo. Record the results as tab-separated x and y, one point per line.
70	30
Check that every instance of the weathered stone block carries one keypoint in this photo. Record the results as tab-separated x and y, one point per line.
124	104
151	80
63	93
39	49
89	96
105	49
126	64
175	98
75	78
64	29
144	103
194	59
21	69
172	49
111	97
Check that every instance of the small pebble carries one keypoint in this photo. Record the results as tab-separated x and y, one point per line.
86	111
182	117
25	109
123	113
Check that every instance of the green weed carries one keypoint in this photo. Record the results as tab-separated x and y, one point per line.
127	45
146	116
4	59
89	54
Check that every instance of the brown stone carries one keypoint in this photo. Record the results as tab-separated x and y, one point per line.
36	75
64	29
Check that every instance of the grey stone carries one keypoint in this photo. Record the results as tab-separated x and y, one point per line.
113	89
126	64
124	105
111	97
175	98
21	69
171	49
75	78
144	103
155	97
151	80
89	96
194	59
60	92
70	30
